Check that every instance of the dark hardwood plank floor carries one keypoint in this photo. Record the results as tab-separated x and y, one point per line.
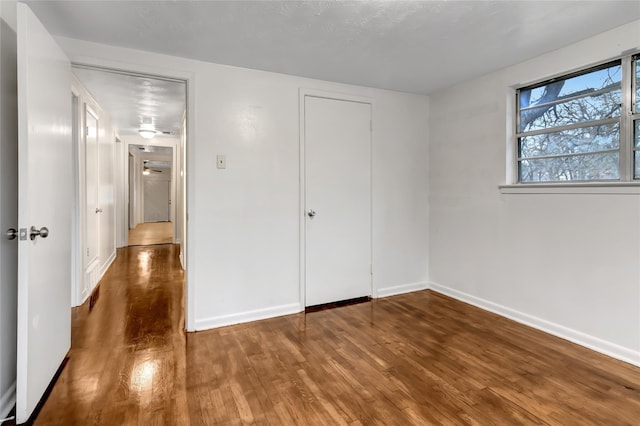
419	358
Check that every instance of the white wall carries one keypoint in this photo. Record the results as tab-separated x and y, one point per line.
566	263
243	250
181	189
136	197
107	192
121	164
8	206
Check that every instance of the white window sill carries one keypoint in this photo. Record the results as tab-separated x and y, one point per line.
572	188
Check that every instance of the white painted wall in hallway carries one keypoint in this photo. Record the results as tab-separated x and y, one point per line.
570	261
244	220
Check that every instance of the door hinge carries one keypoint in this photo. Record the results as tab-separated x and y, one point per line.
86	131
371	268
87	251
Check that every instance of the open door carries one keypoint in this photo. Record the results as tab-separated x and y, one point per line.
45	205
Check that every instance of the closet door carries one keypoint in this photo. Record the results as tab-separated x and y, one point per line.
92	174
338	200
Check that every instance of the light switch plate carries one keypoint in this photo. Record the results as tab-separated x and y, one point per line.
221	162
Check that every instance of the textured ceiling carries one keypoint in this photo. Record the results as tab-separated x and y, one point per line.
412	46
133	100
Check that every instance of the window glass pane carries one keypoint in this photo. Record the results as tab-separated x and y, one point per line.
551	113
574	141
637	106
592	108
636	143
576	168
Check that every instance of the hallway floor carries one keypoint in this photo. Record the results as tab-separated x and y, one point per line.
127	358
150	233
419	358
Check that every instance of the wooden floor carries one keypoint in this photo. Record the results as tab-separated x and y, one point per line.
414	359
150	233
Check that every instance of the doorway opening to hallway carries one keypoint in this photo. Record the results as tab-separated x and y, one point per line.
152	213
138	175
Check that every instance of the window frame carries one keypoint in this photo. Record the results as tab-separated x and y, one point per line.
633	111
629	114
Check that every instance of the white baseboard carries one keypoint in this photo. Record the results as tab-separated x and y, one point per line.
93	275
258	314
7	401
91	279
107	264
400	289
594	343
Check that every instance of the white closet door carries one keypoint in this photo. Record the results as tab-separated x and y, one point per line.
338	200
92	173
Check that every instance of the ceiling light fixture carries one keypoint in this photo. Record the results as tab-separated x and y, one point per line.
147	133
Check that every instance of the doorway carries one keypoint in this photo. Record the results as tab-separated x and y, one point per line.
151	194
49	125
336	194
145	119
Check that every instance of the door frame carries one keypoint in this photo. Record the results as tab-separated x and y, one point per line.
86	104
173	183
77	228
324	94
89	108
188	78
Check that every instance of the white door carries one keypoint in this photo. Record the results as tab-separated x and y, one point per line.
337	149
93	213
45	198
156	200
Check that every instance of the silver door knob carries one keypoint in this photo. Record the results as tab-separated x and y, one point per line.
98	210
311	213
11	234
42	232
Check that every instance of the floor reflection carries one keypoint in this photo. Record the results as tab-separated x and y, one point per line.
123	367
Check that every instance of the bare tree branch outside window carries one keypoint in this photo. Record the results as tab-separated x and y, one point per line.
568	129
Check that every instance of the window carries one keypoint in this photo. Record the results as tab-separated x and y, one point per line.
636	117
576	128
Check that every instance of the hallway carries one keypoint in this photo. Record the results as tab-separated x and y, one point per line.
150	233
127	358
418	358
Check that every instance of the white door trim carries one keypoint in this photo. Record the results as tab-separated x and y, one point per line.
77	228
90	109
188	78
304	92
